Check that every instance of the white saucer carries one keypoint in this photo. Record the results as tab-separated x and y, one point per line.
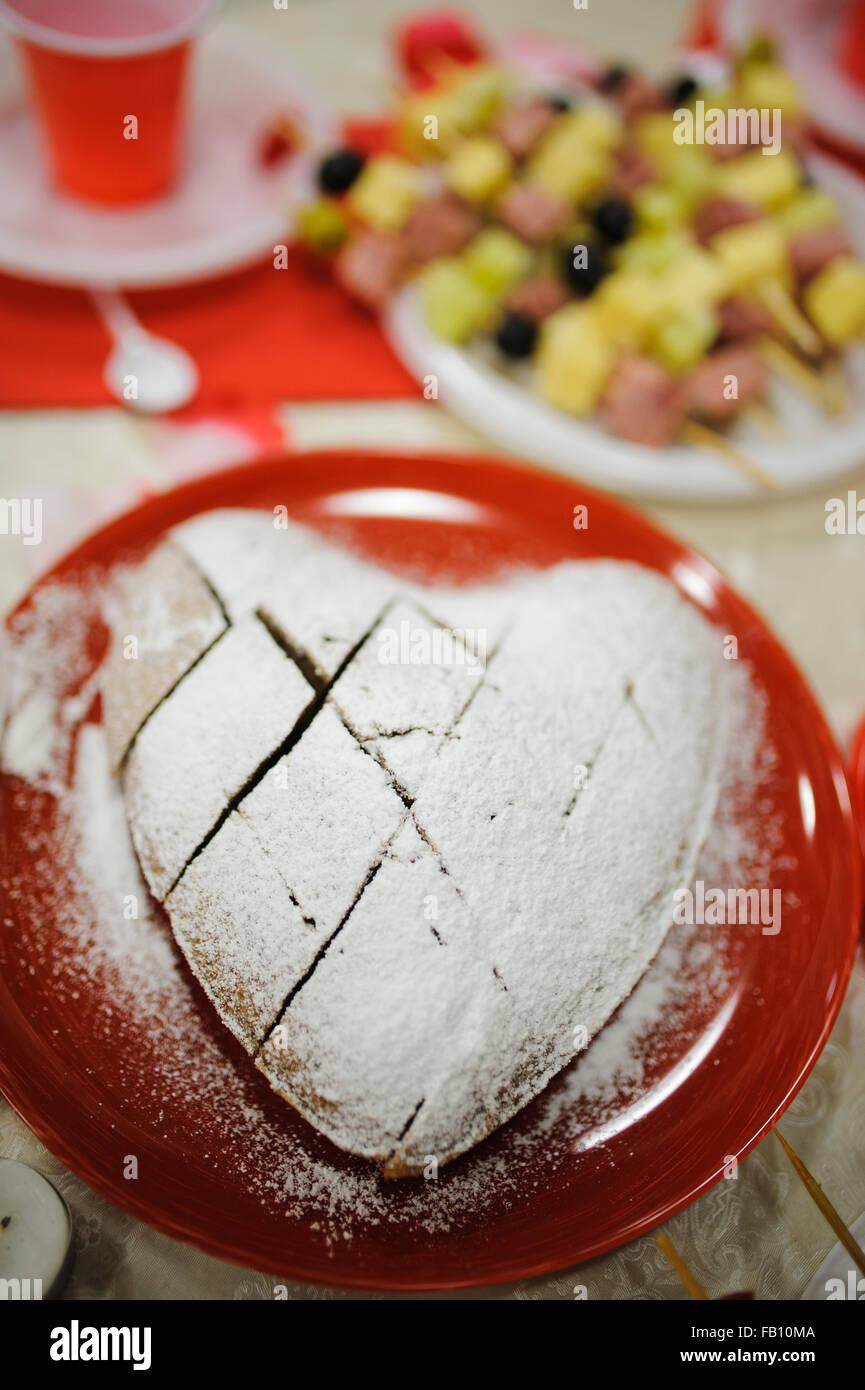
227	210
499	403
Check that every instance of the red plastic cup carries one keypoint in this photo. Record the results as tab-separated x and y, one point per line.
108	79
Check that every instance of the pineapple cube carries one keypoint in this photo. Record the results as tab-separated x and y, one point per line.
594	125
460	107
574	360
695	278
810	211
768	85
573	158
835	300
478	168
752	252
690	171
683	338
477	95
385	193
569	169
427	127
627	304
767	180
454	305
497	259
653	134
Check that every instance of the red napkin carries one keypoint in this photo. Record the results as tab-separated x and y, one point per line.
259	336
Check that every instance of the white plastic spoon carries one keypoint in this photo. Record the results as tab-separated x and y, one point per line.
142	371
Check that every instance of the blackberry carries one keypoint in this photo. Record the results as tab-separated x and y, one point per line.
682	90
583	273
517	335
614	220
612	79
338	171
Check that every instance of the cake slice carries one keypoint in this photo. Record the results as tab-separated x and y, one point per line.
324	815
321	599
394	1020
406	687
202	745
242	930
170	618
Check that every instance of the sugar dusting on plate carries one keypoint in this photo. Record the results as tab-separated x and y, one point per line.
106	943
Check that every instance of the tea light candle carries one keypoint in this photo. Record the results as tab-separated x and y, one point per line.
35	1234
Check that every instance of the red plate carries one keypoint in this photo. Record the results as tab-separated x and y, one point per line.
225	1165
857	781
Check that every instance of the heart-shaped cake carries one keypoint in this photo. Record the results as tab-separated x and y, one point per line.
416	844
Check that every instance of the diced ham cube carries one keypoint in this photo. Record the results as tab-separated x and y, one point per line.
811	251
643	403
537	297
743	318
796	134
726	150
532	213
717	214
708	387
371	267
637	95
440	226
632	170
520	127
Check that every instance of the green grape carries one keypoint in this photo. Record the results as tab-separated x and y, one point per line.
454	305
496	259
682	339
322	225
653	252
659	209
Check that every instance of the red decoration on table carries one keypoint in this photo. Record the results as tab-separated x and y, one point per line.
433	39
701	30
372	136
279	140
851	51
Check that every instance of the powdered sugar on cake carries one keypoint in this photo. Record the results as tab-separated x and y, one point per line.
139	972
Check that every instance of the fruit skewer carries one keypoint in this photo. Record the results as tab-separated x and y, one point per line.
580	237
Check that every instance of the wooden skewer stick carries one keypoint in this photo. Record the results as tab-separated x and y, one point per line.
695	1289
799	374
789	317
818	1196
766	421
692	432
836	387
